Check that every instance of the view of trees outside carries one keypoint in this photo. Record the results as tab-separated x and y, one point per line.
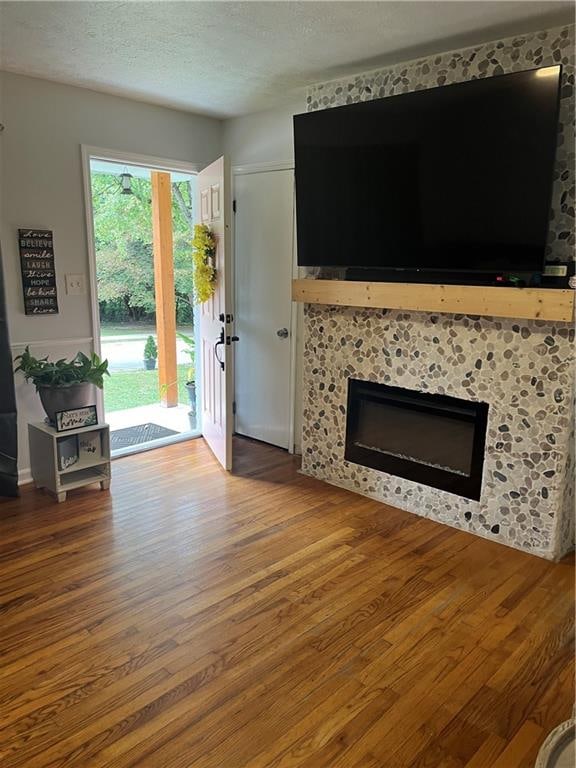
125	272
123	239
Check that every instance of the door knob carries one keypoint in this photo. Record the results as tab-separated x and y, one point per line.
282	333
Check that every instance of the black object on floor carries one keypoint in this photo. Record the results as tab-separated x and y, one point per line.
8	428
142	433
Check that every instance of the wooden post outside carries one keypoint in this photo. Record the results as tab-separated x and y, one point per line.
164	287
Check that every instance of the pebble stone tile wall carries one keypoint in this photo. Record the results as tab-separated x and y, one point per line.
542	49
523	369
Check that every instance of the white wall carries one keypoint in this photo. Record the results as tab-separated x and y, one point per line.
263	137
41	184
267	137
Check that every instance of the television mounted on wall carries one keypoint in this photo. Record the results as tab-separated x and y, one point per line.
453	179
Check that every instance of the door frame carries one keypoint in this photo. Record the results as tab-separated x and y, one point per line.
254	168
88	153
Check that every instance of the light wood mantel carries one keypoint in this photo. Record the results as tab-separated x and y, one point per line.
528	303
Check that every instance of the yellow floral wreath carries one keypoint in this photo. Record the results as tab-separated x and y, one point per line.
203	255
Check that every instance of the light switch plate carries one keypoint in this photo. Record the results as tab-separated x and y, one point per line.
75	285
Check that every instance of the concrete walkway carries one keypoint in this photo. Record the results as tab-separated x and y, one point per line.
126	353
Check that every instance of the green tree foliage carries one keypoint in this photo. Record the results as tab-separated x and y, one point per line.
123	239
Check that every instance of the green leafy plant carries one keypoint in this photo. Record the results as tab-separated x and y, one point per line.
44	373
123	240
191	352
150	349
203	255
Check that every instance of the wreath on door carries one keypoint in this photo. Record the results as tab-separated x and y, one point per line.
204	259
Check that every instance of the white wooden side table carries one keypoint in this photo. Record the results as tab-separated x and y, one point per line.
61	461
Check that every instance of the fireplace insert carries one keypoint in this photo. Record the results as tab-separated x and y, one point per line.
435	440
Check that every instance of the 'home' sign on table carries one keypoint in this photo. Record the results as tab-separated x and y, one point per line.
38	271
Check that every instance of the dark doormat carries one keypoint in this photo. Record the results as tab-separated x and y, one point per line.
143	433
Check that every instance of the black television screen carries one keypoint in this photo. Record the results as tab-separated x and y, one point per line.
454	178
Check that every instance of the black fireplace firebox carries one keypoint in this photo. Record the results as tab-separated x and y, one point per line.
435	440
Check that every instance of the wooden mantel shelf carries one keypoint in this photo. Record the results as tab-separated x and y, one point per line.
528	303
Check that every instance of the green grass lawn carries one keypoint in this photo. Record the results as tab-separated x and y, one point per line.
129	389
126	329
136	329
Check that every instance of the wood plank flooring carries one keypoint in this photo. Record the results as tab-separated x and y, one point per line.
190	619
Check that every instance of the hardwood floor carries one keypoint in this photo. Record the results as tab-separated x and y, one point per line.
190	619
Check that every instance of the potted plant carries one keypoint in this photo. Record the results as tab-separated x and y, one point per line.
64	384
190	385
150	354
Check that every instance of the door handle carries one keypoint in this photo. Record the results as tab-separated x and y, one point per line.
282	333
216	345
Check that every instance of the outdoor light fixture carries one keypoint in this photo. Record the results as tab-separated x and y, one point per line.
126	182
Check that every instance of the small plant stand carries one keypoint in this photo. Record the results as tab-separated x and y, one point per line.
50	471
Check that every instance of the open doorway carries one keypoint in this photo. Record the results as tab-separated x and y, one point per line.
143	220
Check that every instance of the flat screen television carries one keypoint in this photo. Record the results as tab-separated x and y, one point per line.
450	179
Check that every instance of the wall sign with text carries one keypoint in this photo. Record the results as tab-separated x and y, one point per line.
38	271
76	418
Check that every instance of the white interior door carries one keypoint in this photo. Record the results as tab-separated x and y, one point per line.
216	396
263	257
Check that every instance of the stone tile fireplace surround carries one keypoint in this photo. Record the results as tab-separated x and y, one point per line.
523	369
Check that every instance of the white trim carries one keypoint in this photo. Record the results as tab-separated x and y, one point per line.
285	165
232	278
143	161
25	476
92	280
52	342
294	329
99	153
162	442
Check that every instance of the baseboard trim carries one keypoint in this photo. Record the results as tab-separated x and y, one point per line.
24	476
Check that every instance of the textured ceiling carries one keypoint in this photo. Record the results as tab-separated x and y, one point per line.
231	58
